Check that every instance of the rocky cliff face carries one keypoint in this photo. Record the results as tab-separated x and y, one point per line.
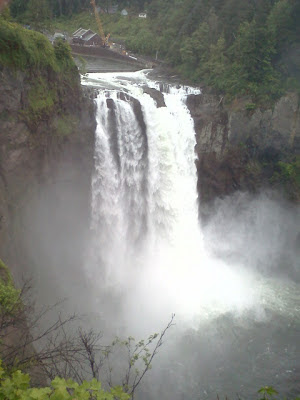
46	161
240	149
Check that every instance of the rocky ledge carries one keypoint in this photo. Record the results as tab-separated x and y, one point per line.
239	148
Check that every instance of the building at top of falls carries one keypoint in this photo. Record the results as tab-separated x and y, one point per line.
86	37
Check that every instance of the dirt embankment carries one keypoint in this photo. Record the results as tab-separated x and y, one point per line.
103	54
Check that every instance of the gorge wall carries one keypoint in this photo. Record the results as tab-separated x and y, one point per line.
46	161
240	149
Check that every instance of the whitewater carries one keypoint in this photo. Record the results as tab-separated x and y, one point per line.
148	245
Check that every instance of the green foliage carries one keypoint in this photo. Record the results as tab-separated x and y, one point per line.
80	20
5	13
280	23
235	47
63	54
18	7
250	106
195	50
288	175
51	66
216	65
253	168
290	172
82	64
9	295
65	125
252	72
23	49
267	392
16	386
140	355
41	102
38	13
143	43
136	32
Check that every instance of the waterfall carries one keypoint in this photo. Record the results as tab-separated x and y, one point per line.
149	257
147	243
144	186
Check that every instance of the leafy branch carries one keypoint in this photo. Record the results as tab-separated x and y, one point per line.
139	354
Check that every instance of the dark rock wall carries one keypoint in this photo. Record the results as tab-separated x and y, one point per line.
45	174
45	169
238	149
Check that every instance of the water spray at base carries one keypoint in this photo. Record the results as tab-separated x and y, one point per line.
147	243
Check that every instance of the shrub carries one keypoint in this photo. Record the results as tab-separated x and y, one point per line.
9	295
23	49
16	386
63	54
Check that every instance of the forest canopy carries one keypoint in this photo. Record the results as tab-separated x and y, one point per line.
236	47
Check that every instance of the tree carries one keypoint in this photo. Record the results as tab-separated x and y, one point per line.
16	386
280	23
214	69
18	7
58	350
195	50
38	12
252	71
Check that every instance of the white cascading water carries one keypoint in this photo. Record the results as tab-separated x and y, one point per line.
148	245
237	310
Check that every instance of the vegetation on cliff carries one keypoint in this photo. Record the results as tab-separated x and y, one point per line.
49	69
9	296
56	350
16	386
82	357
23	49
288	175
237	47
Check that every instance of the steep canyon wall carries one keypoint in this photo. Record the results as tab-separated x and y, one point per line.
46	161
240	149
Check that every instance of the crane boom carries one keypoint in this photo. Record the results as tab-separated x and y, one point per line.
99	24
